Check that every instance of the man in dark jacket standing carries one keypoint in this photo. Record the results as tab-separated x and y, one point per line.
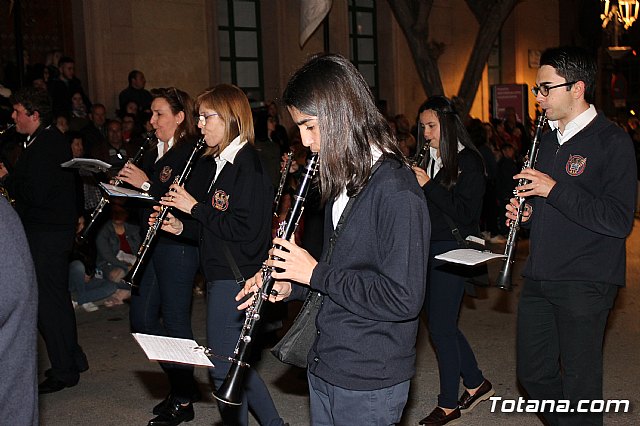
45	200
580	209
135	92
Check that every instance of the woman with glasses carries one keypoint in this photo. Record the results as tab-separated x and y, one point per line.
163	304
233	225
454	185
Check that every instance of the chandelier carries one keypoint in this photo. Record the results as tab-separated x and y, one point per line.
623	12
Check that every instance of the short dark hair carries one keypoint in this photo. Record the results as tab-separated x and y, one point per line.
573	64
73	134
34	99
133	74
66	60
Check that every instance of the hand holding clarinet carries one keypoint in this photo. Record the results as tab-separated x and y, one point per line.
290	263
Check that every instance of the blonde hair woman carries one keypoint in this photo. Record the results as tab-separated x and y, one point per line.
236	213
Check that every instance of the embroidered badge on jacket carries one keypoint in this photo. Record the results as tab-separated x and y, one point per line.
576	165
220	200
165	174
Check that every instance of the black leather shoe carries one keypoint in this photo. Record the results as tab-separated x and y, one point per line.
166	403
81	361
175	414
468	402
438	417
52	384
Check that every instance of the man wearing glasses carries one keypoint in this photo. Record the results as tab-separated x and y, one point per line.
581	199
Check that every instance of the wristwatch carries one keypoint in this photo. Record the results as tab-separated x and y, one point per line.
146	186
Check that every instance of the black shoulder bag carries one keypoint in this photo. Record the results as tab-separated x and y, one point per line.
294	347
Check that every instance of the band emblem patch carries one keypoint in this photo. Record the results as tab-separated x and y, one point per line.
165	174
220	200
576	165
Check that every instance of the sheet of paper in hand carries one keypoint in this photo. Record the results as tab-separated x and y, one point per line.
118	191
468	257
172	349
88	164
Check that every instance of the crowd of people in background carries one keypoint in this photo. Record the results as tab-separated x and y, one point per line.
90	268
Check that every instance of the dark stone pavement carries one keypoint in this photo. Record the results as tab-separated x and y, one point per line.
122	386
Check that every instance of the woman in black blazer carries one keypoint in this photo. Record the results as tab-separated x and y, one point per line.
163	303
454	184
229	199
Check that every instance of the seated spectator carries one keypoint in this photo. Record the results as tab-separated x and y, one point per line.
87	289
95	132
88	284
131	107
61	121
130	130
79	116
113	151
117	244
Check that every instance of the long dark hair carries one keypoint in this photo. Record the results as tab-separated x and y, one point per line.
329	87
452	131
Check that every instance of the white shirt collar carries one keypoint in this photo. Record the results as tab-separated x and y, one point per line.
228	155
574	126
341	200
435	163
160	147
230	152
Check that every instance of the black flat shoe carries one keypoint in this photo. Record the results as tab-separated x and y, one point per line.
51	385
439	418
468	402
166	403
175	414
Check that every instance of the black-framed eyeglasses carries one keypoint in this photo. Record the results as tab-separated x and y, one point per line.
202	118
544	89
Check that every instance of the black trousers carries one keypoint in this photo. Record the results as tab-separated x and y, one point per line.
560	335
56	319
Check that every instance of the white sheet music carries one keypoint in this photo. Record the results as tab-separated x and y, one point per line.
118	191
89	164
468	257
172	349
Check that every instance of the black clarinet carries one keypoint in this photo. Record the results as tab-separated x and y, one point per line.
283	180
231	390
104	200
418	159
503	281
180	179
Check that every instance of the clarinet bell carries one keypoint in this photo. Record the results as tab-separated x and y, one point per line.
503	281
230	392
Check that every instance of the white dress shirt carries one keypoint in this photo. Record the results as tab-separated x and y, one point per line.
341	200
575	125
